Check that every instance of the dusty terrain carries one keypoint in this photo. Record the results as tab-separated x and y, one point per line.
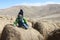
44	19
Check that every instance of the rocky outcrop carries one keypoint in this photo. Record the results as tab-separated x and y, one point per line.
8	20
14	33
45	27
54	35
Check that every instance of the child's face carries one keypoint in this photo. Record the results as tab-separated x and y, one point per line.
20	16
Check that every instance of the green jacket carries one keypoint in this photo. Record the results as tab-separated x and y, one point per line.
17	20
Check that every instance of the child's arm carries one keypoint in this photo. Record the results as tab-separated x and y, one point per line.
16	21
25	21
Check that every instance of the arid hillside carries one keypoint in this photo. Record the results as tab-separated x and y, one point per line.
50	11
43	21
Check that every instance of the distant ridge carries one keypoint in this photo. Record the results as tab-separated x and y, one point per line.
50	11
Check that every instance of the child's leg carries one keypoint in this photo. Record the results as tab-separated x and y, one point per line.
25	25
20	24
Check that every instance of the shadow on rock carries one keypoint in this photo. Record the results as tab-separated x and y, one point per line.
54	35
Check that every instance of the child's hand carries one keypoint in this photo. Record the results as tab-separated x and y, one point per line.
14	25
23	21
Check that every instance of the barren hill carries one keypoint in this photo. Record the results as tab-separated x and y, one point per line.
50	11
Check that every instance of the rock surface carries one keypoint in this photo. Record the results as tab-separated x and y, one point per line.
14	33
54	35
46	27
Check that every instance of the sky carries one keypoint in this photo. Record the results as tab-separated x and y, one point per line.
9	3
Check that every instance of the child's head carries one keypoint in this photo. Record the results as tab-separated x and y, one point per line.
21	12
20	15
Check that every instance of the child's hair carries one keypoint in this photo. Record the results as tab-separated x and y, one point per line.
21	12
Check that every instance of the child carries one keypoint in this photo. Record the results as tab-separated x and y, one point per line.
20	20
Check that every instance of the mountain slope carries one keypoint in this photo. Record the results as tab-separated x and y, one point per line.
50	11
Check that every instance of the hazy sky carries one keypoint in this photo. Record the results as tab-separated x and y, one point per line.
9	3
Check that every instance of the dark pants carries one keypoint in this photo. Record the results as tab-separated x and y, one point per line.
20	24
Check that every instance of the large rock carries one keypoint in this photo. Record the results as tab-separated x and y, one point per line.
14	33
45	27
54	35
7	20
